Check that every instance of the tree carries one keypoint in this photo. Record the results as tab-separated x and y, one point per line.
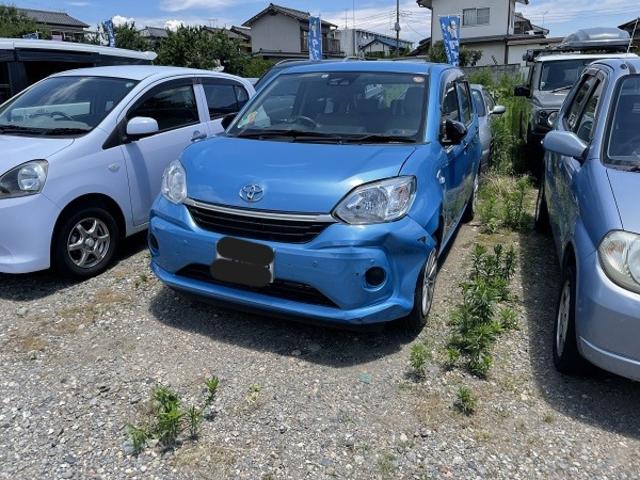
468	58
255	67
16	24
127	36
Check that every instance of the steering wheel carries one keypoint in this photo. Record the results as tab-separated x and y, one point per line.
306	120
54	114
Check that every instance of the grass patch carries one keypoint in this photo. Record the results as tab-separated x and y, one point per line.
418	358
505	202
466	401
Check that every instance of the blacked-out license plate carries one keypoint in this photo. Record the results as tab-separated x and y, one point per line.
242	262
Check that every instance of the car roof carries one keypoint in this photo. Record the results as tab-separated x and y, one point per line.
139	72
418	68
33	44
633	62
580	56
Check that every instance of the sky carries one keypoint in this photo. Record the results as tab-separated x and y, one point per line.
561	17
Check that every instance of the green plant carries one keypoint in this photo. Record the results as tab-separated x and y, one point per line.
212	388
195	418
253	394
466	401
165	398
169	425
418	358
508	318
138	437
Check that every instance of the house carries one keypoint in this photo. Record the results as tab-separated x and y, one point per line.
61	25
491	26
633	27
154	34
356	41
239	34
279	32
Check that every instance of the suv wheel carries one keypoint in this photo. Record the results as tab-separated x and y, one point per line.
423	297
85	242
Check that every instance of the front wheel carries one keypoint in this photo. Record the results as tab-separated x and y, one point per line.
566	356
85	242
424	293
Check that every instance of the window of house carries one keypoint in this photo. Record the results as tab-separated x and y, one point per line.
472	17
171	106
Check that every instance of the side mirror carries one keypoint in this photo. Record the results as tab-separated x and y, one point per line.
227	119
139	127
498	110
564	143
522	91
453	132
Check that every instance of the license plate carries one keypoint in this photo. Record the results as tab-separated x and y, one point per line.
243	263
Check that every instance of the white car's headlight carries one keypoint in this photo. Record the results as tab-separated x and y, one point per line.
174	182
377	202
619	254
25	179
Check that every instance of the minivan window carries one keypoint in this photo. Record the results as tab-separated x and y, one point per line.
171	106
624	139
63	105
562	74
338	107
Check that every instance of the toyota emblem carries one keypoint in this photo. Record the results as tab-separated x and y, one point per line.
251	192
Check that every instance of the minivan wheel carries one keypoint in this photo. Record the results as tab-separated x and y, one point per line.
472	206
542	213
85	242
424	293
566	356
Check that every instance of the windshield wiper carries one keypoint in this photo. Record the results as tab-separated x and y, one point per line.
295	135
377	138
559	89
66	131
18	129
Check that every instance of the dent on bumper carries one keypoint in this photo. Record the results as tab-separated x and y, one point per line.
334	263
608	321
26	224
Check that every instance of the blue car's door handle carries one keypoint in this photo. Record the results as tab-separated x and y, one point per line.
440	177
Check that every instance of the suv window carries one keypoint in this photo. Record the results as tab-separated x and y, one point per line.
171	106
561	74
465	101
578	101
224	98
584	126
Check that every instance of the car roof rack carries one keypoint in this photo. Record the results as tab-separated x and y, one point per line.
586	40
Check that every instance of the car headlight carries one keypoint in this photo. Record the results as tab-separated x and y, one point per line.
546	118
25	179
174	182
619	254
377	202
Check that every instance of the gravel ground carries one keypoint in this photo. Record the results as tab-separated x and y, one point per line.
78	362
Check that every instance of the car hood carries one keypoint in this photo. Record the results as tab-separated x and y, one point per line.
19	149
625	186
300	177
548	99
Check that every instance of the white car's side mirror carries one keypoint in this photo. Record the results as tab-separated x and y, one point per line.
139	127
498	110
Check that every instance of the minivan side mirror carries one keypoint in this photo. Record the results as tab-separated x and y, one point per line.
139	127
522	91
564	143
227	119
498	110
453	132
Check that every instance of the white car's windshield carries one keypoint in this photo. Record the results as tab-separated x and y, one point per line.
562	74
63	105
624	140
338	107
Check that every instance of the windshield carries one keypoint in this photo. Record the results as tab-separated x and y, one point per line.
624	138
63	105
562	74
337	107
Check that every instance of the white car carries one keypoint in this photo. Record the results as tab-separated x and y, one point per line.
83	152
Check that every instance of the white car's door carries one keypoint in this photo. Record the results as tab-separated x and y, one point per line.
223	96
173	104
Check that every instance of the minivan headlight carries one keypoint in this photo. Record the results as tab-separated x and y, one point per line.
619	254
25	179
174	182
377	202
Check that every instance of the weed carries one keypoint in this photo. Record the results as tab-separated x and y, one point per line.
194	415
169	425
418	359
508	319
505	203
138	437
166	399
466	401
386	464
212	388
253	394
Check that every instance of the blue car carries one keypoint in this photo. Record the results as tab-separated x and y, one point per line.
590	198
330	196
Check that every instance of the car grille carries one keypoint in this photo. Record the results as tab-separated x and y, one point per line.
297	292
259	228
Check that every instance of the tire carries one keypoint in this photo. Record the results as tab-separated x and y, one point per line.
423	298
542	224
472	204
566	356
91	232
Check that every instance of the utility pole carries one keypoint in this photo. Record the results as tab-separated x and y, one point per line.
397	28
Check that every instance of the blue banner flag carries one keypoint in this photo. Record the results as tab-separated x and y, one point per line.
315	38
450	25
108	30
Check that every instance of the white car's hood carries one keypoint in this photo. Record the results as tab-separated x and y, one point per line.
16	149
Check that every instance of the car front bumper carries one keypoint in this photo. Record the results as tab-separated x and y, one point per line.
26	225
332	265
608	321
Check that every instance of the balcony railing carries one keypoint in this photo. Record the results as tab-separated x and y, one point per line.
329	45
